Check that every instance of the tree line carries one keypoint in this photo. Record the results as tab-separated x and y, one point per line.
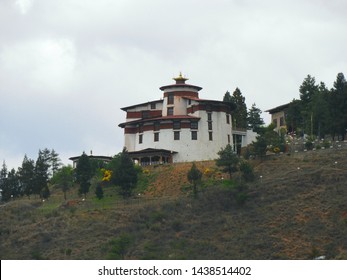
36	178
319	111
31	178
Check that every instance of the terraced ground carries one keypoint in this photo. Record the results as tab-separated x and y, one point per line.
295	209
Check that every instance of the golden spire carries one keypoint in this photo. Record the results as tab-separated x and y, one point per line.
180	79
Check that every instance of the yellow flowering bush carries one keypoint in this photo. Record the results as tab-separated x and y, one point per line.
276	150
107	175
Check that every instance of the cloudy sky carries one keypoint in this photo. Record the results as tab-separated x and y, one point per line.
68	66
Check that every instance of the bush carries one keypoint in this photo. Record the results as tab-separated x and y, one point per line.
309	145
247	171
119	247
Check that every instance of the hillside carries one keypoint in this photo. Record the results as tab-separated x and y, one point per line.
296	209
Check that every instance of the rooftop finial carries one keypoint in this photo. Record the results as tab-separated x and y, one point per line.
180	79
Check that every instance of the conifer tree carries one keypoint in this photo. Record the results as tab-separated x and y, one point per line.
125	175
254	119
240	112
26	176
194	177
83	174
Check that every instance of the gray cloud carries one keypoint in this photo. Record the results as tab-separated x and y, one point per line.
66	67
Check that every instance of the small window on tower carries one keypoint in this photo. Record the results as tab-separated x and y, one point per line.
170	98
156	136
170	111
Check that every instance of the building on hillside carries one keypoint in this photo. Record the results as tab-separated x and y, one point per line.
278	116
180	127
104	159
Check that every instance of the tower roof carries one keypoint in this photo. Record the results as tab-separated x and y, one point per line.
181	82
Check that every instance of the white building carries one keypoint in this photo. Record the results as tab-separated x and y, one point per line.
180	127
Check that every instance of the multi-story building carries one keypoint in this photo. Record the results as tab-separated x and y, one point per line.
278	116
177	128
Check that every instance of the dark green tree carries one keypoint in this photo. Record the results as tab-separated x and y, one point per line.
99	192
240	112
5	190
260	146
83	174
294	119
228	159
247	171
338	105
228	99
26	176
40	182
13	183
321	112
63	178
125	175
194	177
308	89
254	119
55	161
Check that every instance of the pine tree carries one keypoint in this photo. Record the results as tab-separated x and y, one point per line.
194	177
83	174
228	159
125	175
6	194
41	174
240	112
254	119
26	176
338	105
13	183
55	161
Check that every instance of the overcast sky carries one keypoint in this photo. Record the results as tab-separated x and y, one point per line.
68	66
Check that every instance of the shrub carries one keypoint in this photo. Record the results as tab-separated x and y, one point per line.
119	247
309	145
247	171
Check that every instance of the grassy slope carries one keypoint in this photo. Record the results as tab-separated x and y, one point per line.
298	210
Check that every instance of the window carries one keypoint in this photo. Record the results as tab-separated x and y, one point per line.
228	118
153	106
170	98
176	125
274	121
145	114
156	126
228	138
140	128
194	135
194	125
209	125
156	136
281	121
189	102
209	117
210	137
140	138
170	111
176	135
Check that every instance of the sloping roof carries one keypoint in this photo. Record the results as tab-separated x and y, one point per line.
278	108
142	104
106	158
181	85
